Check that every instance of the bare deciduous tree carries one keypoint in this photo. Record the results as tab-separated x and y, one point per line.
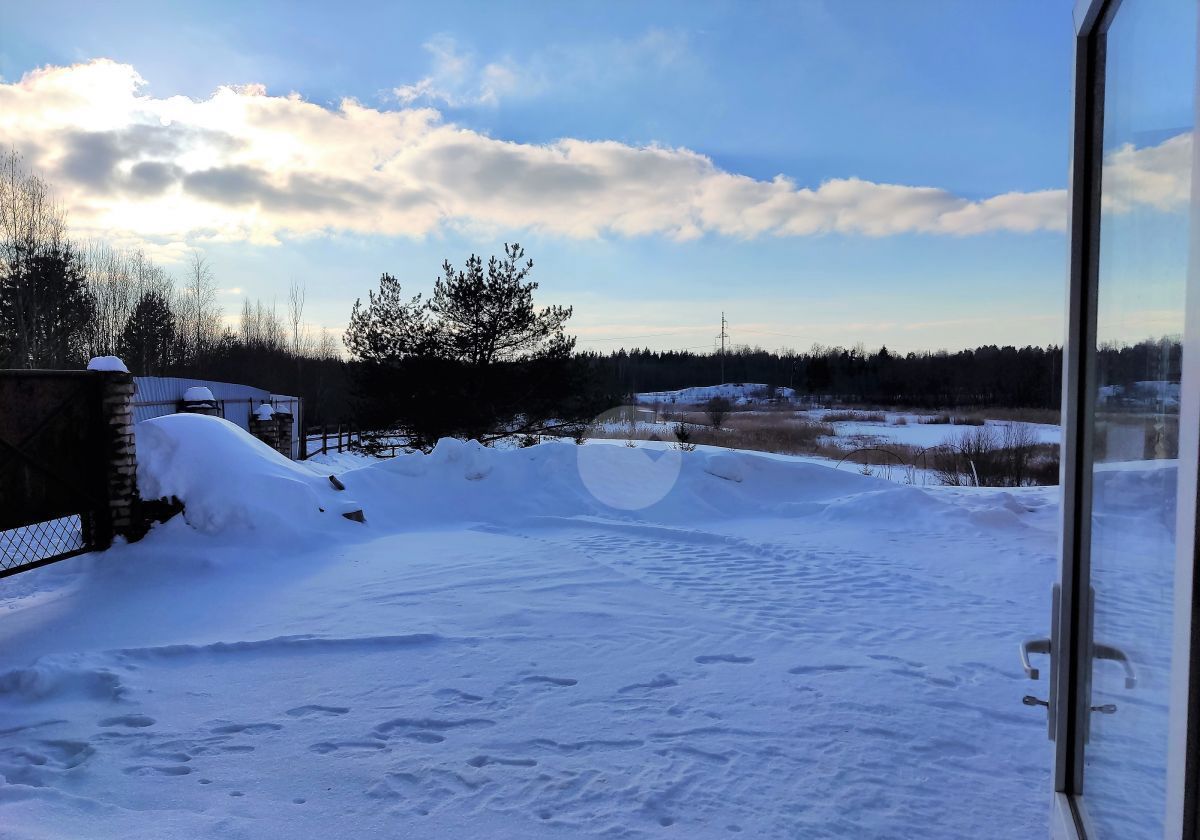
45	306
261	327
301	342
199	315
119	279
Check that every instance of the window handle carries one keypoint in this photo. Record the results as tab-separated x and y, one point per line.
1029	646
1117	655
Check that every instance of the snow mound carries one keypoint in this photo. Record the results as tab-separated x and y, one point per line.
907	507
229	480
465	482
51	677
728	466
109	364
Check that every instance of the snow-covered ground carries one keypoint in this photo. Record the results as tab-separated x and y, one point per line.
558	641
915	433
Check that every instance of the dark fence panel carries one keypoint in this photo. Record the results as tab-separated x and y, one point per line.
53	455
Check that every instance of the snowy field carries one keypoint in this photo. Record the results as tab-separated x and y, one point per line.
913	432
559	641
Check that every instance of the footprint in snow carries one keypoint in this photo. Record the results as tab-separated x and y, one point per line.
820	669
129	720
248	728
160	770
484	760
559	681
730	658
325	747
309	711
661	681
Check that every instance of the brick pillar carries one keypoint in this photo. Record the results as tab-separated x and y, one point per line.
284	440
275	431
121	456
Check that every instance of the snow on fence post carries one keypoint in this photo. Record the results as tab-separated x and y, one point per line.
198	399
116	401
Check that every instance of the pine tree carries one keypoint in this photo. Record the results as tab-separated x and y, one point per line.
45	308
148	341
478	360
389	328
483	319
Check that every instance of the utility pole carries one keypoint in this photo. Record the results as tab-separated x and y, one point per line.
724	335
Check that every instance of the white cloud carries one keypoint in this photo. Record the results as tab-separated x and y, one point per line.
1157	176
243	165
456	79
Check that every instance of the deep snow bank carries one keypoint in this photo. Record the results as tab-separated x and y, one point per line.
462	480
229	480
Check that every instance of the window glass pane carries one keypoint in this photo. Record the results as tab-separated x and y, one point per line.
1140	303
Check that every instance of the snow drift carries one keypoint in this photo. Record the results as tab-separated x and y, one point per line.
229	480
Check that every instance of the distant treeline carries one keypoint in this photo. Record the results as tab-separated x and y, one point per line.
1015	377
1025	377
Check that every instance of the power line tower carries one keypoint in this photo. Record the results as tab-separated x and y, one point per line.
724	335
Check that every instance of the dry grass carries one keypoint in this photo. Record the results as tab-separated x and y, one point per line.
854	417
956	420
989	455
1050	416
774	432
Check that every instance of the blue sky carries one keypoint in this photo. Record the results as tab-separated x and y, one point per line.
971	99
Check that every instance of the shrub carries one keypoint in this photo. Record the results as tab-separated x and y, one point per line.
716	409
683	437
984	458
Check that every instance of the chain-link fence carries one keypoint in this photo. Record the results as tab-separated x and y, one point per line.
43	542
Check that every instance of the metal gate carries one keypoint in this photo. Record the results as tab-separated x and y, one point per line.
53	450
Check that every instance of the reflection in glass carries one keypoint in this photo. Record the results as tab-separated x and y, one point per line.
1144	255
